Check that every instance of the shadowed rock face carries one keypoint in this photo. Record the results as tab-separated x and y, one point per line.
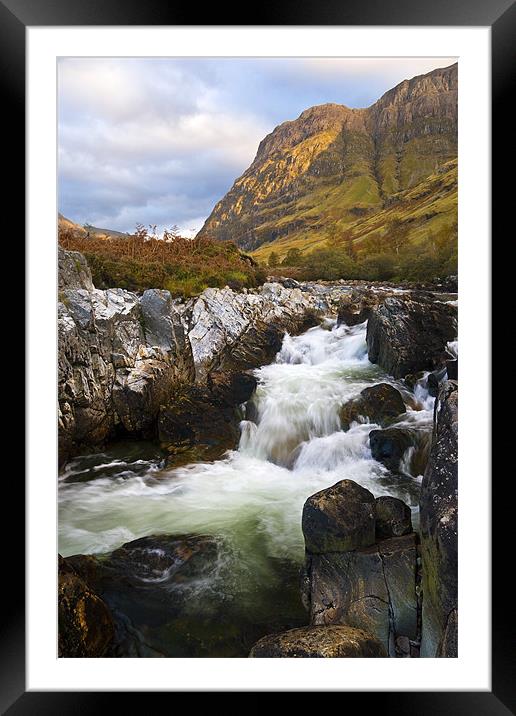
361	563
439	522
393	518
319	642
86	627
407	335
388	446
122	357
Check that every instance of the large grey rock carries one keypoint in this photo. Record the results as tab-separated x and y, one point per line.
339	518
373	588
232	331
73	270
119	357
439	522
409	334
122	357
319	642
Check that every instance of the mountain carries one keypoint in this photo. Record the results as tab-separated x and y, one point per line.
69	225
341	169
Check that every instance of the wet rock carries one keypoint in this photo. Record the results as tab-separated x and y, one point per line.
373	588
410	334
379	403
194	418
232	388
319	642
162	558
86	626
121	356
439	521
434	380
355	307
151	585
448	646
339	518
452	369
393	517
389	445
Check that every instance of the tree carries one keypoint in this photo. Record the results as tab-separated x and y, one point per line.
349	243
293	258
273	259
397	233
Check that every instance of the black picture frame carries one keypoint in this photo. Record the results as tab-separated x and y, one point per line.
15	17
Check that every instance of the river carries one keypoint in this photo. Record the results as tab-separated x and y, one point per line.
291	446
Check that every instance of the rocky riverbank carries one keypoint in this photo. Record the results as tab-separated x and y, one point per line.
178	373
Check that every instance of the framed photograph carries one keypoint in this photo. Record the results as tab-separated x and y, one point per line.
252	252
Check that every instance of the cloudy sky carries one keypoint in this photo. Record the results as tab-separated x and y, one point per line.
160	141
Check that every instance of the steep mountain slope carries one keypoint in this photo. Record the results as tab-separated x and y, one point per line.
336	168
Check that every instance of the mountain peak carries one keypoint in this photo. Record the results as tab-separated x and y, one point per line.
334	165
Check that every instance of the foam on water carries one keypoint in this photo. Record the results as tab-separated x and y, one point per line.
294	448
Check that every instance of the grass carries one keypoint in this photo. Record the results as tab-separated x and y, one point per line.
185	267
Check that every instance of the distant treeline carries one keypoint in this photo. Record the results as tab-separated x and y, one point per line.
144	260
387	257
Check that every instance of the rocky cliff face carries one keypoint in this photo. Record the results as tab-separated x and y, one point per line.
124	359
335	165
439	523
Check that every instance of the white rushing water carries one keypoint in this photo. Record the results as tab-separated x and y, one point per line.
253	498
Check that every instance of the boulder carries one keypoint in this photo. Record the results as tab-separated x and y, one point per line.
86	627
339	518
319	642
73	270
393	517
389	445
151	587
122	356
410	334
355	306
119	357
448	647
439	521
234	332
194	419
379	404
372	588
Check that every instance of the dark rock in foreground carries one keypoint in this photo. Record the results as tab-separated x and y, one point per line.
379	403
319	642
388	446
349	577
439	522
339	518
410	334
194	419
86	627
393	518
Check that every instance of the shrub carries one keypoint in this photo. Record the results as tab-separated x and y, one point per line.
183	266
